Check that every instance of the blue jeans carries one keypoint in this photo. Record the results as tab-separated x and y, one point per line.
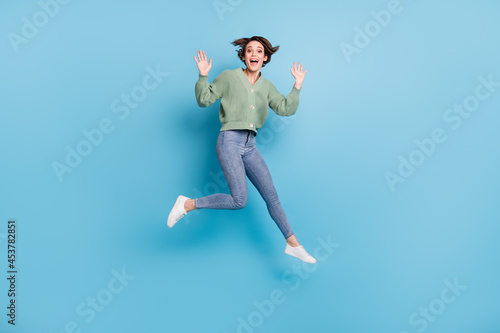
239	158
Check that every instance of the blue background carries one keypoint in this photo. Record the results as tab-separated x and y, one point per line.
395	249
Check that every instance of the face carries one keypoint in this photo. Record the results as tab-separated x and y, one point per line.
254	56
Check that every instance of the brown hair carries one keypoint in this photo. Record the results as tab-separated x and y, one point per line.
268	48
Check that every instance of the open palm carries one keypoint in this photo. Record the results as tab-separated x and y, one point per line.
203	65
297	72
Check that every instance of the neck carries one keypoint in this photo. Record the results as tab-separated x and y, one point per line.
252	75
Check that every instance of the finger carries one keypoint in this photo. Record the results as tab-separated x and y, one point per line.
306	71
204	56
210	63
195	59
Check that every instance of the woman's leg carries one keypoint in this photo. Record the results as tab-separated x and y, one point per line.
239	158
257	171
230	147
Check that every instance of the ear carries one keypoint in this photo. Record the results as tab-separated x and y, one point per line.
265	58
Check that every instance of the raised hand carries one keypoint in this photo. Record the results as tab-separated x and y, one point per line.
203	65
298	74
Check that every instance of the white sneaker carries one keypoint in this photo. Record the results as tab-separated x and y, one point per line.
177	212
300	252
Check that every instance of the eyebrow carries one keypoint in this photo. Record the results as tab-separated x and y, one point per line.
259	47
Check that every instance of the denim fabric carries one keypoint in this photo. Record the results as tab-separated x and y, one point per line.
239	158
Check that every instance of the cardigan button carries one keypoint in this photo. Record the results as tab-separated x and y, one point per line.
252	107
251	90
251	125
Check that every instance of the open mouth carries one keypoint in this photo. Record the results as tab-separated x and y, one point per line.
254	62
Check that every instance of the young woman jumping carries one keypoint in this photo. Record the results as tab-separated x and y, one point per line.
245	98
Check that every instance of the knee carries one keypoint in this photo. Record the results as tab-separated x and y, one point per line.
240	202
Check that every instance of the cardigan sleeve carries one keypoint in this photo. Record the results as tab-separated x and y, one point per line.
206	93
283	106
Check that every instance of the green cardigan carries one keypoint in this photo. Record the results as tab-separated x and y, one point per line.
242	105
